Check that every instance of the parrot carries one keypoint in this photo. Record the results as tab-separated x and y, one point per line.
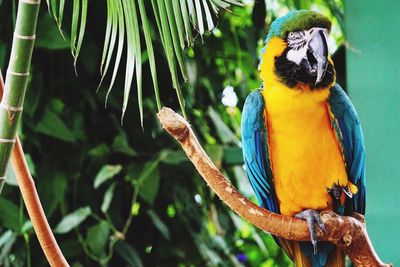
302	141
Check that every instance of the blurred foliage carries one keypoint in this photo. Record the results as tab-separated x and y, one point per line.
121	196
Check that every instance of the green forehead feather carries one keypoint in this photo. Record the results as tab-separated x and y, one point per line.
297	20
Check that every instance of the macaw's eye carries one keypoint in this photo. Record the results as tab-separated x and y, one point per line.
291	35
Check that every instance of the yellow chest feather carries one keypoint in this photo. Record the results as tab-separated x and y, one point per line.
305	155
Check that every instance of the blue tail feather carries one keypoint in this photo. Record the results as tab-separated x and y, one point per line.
321	258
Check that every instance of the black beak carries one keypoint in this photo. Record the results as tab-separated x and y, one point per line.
317	55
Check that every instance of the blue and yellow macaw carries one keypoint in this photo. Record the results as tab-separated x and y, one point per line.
302	140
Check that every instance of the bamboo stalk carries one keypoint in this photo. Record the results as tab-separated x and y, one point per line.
33	205
16	79
12	100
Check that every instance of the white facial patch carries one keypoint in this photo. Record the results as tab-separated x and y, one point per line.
297	55
298	42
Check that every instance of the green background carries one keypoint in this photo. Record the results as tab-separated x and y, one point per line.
372	79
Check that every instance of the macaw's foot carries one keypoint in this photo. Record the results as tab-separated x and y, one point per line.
336	192
313	220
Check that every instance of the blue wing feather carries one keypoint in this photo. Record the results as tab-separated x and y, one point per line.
352	140
255	151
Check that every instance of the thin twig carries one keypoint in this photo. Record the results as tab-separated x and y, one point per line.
348	233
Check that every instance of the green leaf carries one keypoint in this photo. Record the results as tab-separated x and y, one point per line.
106	172
107	36
48	36
52	192
150	51
53	7
149	181
74	25
61	15
133	57
225	134
99	151
159	224
33	97
3	53
57	105
199	16
169	49
233	155
9	215
31	164
6	237
174	157
6	249
156	12
172	18
216	153
210	22
82	27
52	125
71	247
119	21
48	5
186	20
72	220
108	196
192	12
121	145
27	227
130	19
179	23
128	253
138	59
97	237
10	176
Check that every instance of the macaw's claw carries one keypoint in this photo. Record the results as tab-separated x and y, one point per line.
313	219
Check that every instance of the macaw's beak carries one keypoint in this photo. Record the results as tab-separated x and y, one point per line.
317	55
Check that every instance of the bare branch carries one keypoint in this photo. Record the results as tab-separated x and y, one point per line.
349	233
32	202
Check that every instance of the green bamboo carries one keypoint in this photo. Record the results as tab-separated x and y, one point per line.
16	79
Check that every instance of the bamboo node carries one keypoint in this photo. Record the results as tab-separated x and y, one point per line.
7	140
25	37
22	74
31	2
10	108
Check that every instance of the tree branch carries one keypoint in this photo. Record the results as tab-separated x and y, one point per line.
32	202
348	233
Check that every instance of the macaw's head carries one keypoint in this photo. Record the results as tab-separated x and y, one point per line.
296	53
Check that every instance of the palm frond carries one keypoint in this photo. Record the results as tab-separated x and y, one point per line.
79	14
150	51
127	21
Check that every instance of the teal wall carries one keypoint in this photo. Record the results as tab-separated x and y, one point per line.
373	75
